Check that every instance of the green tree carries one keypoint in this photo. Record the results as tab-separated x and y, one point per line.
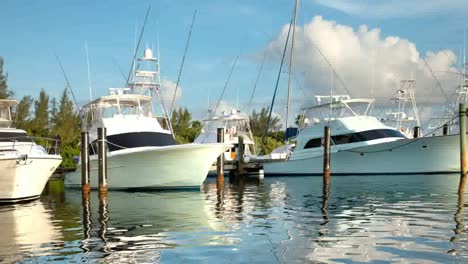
259	120
4	92
65	121
40	123
21	116
185	129
268	145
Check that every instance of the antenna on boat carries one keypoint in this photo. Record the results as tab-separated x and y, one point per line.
89	72
66	79
159	60
183	60
464	59
138	45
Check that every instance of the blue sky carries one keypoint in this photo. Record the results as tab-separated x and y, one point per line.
33	31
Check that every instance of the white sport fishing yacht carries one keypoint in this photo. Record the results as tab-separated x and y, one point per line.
361	144
235	124
142	152
25	167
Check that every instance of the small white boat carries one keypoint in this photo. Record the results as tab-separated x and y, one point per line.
235	124
25	167
361	144
142	152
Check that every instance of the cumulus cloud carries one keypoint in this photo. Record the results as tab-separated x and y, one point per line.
363	60
395	8
167	92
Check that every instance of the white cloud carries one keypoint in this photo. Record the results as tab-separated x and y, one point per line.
395	8
363	59
167	92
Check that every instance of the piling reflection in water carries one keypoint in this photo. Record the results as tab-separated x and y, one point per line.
353	219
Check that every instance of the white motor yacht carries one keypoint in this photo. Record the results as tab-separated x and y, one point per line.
361	144
25	167
235	124
142	152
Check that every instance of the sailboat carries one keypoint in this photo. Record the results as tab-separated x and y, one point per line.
142	152
25	167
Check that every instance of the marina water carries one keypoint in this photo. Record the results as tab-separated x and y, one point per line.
364	219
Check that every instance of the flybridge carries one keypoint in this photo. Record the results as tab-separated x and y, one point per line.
336	106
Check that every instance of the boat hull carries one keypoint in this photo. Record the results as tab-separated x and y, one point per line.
25	178
168	167
426	155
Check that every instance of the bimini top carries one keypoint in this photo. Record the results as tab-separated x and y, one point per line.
235	115
7	102
120	99
339	101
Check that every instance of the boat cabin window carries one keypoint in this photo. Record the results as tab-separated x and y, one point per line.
356	137
313	143
10	137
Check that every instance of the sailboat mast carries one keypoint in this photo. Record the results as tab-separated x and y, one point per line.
288	107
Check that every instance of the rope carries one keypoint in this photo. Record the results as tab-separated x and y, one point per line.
113	144
412	141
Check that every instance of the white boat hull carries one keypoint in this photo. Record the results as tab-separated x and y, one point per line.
24	179
168	167
426	155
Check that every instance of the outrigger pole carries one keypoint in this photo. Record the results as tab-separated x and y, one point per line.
183	61
66	79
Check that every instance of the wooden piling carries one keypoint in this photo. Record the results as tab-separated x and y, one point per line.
240	156
85	181
102	157
220	161
417	132
462	125
326	155
445	130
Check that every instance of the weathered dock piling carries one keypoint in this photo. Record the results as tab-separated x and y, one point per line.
326	155
416	132
462	125
220	161
85	181
445	130
240	157
102	158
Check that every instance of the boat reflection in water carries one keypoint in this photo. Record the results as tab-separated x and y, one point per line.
27	230
135	226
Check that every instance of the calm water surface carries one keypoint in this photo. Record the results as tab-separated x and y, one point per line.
368	219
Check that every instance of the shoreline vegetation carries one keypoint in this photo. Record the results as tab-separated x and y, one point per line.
50	117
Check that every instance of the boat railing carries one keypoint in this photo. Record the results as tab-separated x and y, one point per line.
49	145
